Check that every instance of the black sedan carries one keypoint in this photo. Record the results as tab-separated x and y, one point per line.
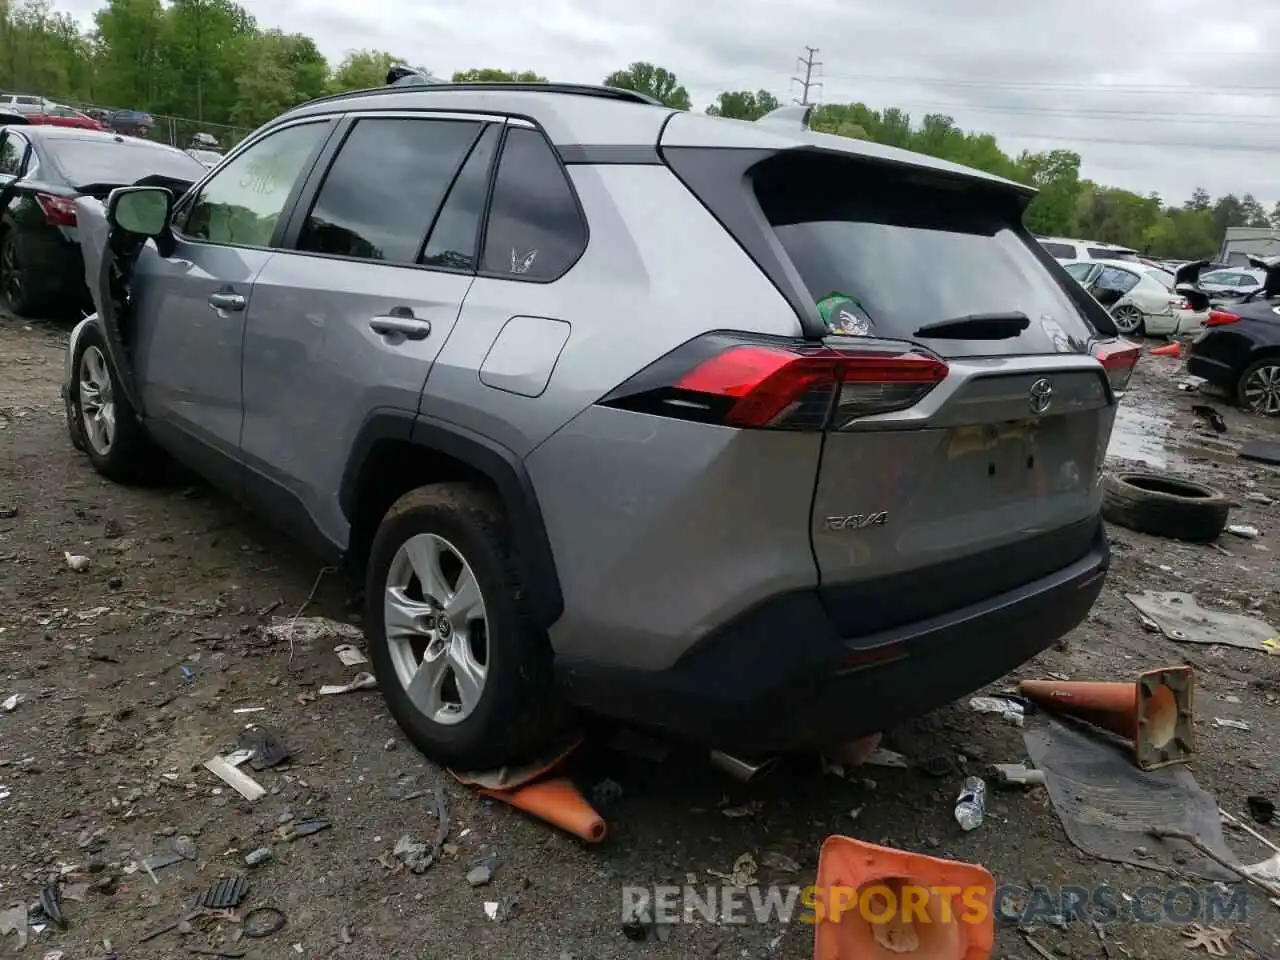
1239	348
43	169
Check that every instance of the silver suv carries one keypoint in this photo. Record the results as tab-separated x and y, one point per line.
763	438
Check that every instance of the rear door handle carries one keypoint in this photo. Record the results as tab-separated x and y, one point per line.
411	328
226	301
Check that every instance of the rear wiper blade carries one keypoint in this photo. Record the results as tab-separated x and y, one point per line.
977	326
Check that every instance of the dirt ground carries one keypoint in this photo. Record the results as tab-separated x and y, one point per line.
133	671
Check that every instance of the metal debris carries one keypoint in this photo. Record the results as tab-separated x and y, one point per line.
223	895
350	655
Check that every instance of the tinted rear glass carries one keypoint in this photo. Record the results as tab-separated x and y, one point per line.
83	162
1164	277
1105	253
911	254
1063	251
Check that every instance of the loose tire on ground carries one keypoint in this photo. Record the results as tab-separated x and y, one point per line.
131	457
1164	507
516	711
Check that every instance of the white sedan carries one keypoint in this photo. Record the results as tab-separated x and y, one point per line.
1140	298
1232	281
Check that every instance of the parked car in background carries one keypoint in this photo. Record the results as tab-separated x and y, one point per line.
1066	249
63	116
1239	349
25	103
42	170
132	123
1141	299
1239	282
455	346
204	147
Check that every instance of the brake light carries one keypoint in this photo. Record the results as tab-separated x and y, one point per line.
1220	318
1118	358
58	211
725	380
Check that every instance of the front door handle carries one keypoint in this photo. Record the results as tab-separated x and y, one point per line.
411	328
226	301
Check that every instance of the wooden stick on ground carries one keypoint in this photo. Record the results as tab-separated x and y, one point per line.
1167	833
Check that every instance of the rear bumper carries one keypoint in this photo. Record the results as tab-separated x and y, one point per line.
1218	371
781	678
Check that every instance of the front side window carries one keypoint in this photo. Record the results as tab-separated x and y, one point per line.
1079	270
382	191
242	204
535	231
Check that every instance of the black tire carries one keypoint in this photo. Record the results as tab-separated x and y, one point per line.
19	280
516	712
131	457
1243	401
1164	507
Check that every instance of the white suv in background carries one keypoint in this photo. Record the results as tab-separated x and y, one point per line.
1065	249
25	103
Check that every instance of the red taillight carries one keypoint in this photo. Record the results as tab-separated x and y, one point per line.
1118	358
58	211
782	387
1220	318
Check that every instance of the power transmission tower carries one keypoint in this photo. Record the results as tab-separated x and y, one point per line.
808	63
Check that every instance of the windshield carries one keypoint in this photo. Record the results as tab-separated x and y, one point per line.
908	255
86	161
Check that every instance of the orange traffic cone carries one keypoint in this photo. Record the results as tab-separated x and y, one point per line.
558	802
876	903
1155	712
1168	350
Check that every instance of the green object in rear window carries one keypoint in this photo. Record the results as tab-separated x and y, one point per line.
844	316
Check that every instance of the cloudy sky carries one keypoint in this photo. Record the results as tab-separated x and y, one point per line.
1162	95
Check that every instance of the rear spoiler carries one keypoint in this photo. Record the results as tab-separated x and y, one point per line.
797	116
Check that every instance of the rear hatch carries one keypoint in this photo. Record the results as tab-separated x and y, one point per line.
972	467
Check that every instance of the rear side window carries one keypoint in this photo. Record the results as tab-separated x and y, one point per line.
912	252
454	237
1115	280
535	229
383	189
1079	270
11	152
1059	251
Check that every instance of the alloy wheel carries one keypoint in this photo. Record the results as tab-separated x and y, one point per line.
1128	319
1262	390
97	405
436	628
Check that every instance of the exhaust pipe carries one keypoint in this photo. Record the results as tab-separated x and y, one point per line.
740	768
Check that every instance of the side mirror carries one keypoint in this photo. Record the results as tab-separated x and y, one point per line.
143	211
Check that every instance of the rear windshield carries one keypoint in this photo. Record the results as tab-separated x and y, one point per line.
88	161
1165	278
1062	251
911	253
1106	253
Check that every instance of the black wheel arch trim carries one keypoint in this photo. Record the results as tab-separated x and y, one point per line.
543	600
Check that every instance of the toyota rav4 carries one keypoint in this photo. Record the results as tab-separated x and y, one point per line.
760	437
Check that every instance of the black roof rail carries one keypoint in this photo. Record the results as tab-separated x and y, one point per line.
573	89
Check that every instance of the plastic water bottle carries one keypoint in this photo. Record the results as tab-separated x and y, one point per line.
971	806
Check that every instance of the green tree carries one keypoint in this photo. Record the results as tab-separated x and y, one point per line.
657	82
206	49
1251	210
363	70
743	104
131	51
1200	200
1275	216
1056	174
280	71
491	75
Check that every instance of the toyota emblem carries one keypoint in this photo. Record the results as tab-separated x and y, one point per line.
1041	396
